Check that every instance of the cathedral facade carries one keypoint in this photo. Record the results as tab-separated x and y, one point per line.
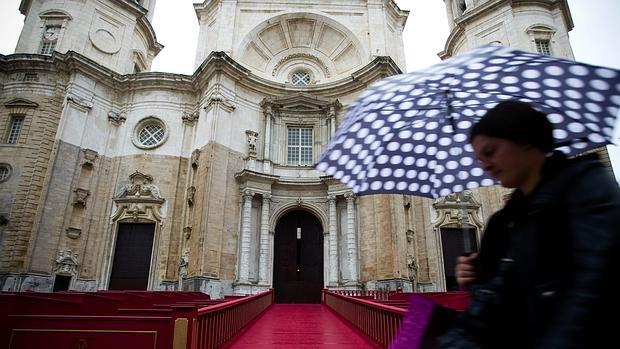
114	177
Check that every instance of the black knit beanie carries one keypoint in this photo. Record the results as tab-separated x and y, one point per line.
518	122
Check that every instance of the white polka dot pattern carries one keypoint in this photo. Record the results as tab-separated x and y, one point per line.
408	133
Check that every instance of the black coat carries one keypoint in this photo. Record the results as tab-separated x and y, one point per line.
561	288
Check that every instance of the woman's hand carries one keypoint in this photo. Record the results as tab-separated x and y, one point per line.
465	270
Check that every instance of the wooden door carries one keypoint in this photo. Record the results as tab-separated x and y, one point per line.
132	257
298	259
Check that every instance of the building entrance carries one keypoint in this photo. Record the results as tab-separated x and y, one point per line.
298	259
132	257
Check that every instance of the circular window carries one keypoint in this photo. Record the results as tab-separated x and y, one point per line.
150	133
5	172
300	78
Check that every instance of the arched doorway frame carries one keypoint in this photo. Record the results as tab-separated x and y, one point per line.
457	210
315	210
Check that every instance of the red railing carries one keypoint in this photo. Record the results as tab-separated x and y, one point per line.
219	323
370	294
377	321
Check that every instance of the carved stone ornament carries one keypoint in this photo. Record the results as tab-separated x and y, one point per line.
117	118
73	233
88	157
138	199
218	99
79	200
410	233
79	102
459	209
187	232
252	137
304	56
190	118
191	191
195	157
66	263
184	264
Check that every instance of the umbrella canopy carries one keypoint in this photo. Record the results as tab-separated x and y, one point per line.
408	133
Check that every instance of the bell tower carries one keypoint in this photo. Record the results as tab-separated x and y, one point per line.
114	33
538	26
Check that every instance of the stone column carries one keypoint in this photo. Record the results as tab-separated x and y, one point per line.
264	242
267	142
246	237
332	121
333	241
351	237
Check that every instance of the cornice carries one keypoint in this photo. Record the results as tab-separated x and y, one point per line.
215	63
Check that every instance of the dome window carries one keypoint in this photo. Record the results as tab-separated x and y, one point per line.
300	78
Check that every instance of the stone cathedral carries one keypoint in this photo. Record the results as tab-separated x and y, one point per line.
114	177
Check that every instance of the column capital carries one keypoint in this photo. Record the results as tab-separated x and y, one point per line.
247	194
331	198
266	197
350	196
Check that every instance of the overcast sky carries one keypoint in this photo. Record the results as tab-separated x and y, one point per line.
595	38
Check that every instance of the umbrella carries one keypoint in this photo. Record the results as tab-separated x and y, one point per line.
408	133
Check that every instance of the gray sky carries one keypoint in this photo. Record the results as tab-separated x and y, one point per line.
595	38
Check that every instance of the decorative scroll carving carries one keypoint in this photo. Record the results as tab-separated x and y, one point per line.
459	209
139	199
304	56
117	118
66	263
252	137
190	118
79	102
218	99
88	157
79	200
73	233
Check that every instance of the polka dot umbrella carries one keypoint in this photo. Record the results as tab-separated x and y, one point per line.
408	133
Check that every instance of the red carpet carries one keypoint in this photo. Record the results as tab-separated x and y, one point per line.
300	326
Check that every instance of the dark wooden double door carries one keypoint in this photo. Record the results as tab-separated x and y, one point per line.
298	259
132	257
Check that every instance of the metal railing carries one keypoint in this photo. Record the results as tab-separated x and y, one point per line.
219	323
378	322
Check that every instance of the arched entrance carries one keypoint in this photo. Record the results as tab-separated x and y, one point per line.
298	258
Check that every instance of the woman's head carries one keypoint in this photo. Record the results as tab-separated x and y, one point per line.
518	122
511	141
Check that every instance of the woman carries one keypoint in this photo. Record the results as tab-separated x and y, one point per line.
548	268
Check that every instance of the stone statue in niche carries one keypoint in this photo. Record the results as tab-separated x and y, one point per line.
184	264
252	137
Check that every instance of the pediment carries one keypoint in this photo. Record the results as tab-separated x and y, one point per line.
300	102
20	103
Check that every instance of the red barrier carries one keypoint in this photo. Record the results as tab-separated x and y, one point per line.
217	324
377	321
380	319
